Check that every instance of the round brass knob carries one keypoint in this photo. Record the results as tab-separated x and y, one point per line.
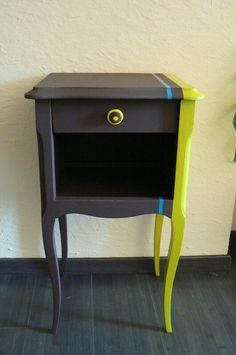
115	116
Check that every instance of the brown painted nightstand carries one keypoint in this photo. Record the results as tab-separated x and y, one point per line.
113	145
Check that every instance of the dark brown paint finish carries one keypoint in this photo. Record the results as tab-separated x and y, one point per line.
103	86
144	116
91	167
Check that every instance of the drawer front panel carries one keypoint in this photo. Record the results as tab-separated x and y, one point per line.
85	116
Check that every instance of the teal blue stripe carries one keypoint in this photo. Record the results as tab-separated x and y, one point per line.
169	93
168	88
160	205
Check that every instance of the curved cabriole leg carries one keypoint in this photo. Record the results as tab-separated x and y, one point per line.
50	250
177	233
186	118
64	243
157	242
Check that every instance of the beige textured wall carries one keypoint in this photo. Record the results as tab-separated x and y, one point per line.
193	39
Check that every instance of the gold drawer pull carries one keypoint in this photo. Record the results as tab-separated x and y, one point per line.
115	116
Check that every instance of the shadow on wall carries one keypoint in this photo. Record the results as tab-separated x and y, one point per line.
234	218
19	203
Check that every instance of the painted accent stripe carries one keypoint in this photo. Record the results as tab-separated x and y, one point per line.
168	88
170	82
189	92
160	205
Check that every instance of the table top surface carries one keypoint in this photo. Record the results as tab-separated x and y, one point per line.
112	85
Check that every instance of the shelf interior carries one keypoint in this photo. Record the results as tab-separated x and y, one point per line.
115	165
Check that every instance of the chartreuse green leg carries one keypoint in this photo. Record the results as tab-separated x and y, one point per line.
186	118
157	242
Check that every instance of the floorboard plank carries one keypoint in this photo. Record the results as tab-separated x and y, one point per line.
15	306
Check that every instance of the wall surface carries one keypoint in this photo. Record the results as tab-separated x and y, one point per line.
193	39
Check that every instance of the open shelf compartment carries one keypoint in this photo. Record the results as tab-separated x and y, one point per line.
115	165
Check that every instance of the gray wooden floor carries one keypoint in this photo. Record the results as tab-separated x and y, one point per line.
119	314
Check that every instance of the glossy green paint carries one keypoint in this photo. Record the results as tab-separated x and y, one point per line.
157	242
189	91
186	119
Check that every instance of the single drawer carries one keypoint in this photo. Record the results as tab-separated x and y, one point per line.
90	115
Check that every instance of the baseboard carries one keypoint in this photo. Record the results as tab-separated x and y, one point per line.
232	242
116	265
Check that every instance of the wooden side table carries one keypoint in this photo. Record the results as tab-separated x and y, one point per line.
113	145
